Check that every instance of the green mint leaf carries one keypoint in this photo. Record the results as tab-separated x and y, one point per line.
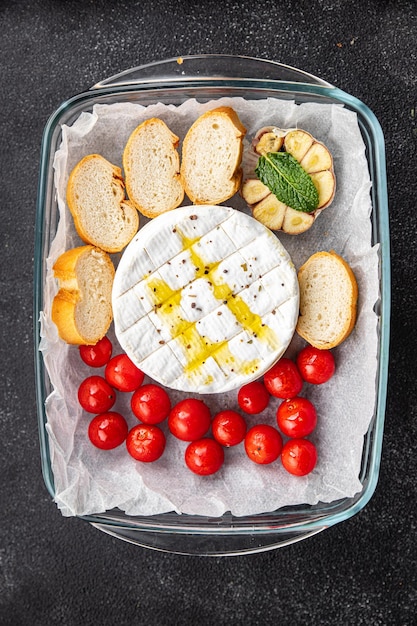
288	181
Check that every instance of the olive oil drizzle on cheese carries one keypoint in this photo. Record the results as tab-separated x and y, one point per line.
196	348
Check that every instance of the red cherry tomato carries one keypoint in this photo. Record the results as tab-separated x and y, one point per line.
263	444
253	397
283	380
204	456
150	404
108	430
189	419
315	366
296	417
122	374
95	395
228	428
299	456
145	442
97	355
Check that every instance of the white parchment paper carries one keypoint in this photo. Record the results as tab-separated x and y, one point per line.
88	480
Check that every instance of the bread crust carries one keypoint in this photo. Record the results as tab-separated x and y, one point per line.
305	320
230	116
71	295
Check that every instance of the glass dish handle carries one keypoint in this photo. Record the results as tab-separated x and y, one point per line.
210	67
194	544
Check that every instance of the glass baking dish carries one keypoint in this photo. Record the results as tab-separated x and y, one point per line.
208	77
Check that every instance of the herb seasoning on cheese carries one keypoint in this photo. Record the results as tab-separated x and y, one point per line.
205	299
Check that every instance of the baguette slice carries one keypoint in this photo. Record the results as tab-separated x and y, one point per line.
151	164
96	198
212	155
328	300
82	308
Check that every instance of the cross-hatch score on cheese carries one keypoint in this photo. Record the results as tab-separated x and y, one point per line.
199	348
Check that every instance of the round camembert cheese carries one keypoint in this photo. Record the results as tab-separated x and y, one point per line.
205	299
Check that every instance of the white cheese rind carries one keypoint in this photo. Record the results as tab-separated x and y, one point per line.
205	299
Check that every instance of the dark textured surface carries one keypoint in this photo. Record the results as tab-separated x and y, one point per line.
63	571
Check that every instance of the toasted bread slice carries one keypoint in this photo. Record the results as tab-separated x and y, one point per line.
151	165
102	215
328	300
82	308
212	155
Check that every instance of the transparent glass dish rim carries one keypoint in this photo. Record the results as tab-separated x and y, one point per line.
209	77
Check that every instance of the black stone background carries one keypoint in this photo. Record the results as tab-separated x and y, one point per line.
62	571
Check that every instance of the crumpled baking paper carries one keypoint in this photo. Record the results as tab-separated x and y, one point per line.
88	480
